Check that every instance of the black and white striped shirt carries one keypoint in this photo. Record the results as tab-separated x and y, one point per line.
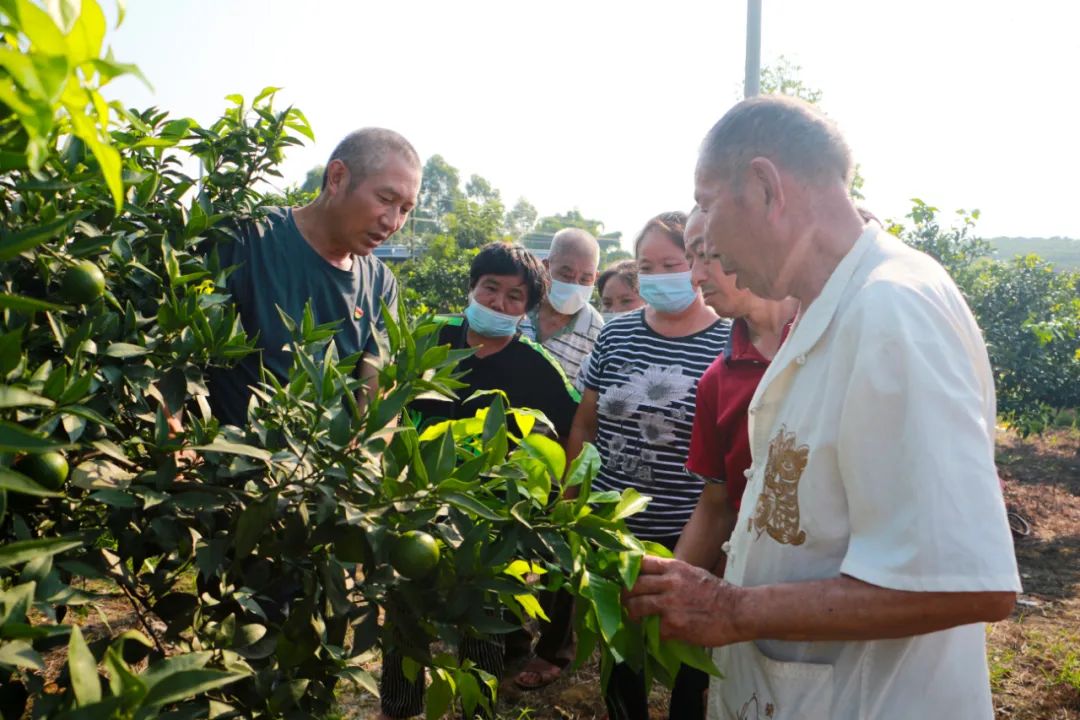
646	385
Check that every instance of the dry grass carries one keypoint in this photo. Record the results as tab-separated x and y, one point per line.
1035	655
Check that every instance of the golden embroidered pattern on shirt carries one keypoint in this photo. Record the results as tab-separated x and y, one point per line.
777	510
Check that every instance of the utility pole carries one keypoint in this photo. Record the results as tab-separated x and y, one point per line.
752	86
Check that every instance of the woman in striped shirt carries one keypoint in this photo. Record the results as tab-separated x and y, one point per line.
638	409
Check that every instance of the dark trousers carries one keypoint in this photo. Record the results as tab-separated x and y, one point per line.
555	643
626	698
400	698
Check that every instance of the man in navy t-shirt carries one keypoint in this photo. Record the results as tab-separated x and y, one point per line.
319	253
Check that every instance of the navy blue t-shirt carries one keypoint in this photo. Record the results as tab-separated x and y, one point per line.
276	267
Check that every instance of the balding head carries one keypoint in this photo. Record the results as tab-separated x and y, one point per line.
364	153
574	242
574	258
792	134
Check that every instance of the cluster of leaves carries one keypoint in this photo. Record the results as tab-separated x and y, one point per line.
438	280
257	561
1029	314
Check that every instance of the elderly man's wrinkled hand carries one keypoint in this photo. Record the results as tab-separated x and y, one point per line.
694	605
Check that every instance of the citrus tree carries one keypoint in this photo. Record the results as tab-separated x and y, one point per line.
262	564
1028	310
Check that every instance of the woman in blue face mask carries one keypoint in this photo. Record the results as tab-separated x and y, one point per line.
638	409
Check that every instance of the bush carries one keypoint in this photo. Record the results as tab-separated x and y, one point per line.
1029	315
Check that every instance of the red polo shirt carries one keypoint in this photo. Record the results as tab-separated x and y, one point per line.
720	442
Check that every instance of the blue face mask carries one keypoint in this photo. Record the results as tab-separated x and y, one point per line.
667	292
489	323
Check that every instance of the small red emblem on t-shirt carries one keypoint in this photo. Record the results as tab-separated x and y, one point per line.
358	313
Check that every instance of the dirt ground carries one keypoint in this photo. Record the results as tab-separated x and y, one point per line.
1035	656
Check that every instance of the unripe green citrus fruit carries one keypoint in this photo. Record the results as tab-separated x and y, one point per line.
82	283
50	470
415	554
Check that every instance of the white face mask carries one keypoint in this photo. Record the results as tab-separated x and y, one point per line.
568	298
609	316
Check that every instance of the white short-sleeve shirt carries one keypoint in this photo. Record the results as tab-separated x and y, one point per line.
872	437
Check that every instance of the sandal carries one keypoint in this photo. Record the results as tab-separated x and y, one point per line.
537	673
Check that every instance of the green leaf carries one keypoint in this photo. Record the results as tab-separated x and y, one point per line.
296	120
125	350
21	551
18	397
253	521
26	304
264	93
12	245
231	448
16	438
184	684
632	502
114	498
122	682
178	663
362	678
107	156
11	350
629	567
87	34
531	606
583	469
64	13
87	414
694	656
83	669
605	597
20	654
439	458
519	568
547	450
440	693
472	506
17	482
288	694
39	28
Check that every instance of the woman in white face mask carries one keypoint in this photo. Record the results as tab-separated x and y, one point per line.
638	409
505	282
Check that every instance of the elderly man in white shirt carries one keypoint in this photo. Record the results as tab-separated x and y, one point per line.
872	542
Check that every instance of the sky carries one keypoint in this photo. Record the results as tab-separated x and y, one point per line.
601	106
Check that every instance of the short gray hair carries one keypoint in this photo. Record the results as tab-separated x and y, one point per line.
365	151
793	134
573	240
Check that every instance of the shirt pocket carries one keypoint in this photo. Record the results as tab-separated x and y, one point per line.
756	687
